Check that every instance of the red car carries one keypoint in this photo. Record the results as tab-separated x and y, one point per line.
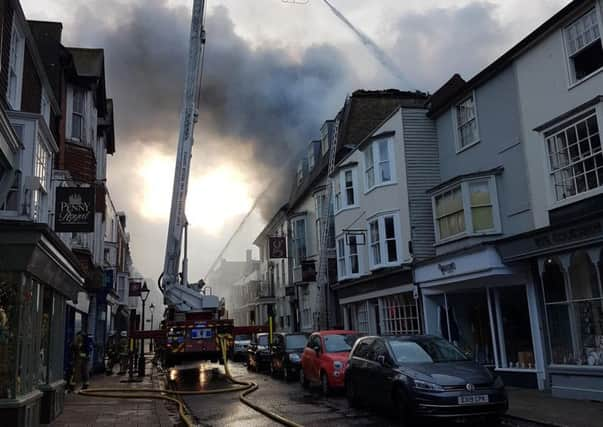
325	359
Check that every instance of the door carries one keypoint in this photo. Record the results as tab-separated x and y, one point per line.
380	373
359	368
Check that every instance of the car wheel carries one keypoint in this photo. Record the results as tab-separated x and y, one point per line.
401	408
351	393
302	378
324	384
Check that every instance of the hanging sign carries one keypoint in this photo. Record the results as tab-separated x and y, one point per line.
277	247
74	210
135	287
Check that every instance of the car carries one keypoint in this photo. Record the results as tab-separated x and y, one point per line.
325	357
258	353
240	345
422	377
287	349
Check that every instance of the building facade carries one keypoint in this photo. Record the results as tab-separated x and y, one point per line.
383	220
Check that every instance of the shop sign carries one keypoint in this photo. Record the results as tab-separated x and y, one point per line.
447	268
74	210
277	247
135	287
568	235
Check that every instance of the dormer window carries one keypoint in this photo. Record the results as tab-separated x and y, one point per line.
583	45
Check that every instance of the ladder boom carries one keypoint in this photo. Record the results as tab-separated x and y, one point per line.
188	118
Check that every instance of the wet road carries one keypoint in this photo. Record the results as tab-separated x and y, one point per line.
305	407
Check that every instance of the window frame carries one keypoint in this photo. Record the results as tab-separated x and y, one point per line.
340	191
382	242
375	163
455	123
345	257
466	199
297	258
558	128
571	73
17	35
81	114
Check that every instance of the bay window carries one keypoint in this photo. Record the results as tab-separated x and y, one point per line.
583	46
298	239
78	130
348	257
384	241
465	117
378	163
468	208
575	157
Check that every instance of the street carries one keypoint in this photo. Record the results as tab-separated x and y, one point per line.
306	407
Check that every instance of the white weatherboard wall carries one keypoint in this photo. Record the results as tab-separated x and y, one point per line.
545	92
391	197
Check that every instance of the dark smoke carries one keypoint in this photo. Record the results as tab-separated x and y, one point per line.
259	99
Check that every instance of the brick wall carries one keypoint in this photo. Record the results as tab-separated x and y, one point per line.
80	161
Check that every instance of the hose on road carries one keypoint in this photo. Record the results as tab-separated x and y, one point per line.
152	393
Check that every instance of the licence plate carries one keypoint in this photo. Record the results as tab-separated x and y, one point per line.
472	400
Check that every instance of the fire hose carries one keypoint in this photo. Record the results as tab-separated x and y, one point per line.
246	388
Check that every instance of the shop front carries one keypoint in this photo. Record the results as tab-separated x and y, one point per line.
568	263
487	309
380	304
38	275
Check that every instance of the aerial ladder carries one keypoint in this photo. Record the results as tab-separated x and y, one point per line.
192	320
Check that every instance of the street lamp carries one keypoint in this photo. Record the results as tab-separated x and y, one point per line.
152	309
144	294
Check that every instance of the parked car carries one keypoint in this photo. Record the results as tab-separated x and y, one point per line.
422	377
287	349
325	358
258	353
240	345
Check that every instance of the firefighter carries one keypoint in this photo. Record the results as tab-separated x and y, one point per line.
123	352
111	352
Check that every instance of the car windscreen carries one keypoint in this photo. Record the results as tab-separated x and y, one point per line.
337	343
242	338
426	351
263	340
296	341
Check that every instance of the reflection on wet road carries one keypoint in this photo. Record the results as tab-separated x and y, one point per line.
306	407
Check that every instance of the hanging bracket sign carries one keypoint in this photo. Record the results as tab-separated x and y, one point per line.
74	210
277	247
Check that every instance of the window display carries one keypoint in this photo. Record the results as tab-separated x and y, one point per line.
512	316
575	316
8	323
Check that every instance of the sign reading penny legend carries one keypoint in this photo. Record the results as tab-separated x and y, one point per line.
74	210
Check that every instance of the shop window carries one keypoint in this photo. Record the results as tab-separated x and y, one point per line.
575	318
553	282
583	277
399	315
512	318
9	314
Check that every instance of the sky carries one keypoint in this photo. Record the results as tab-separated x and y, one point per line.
274	71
